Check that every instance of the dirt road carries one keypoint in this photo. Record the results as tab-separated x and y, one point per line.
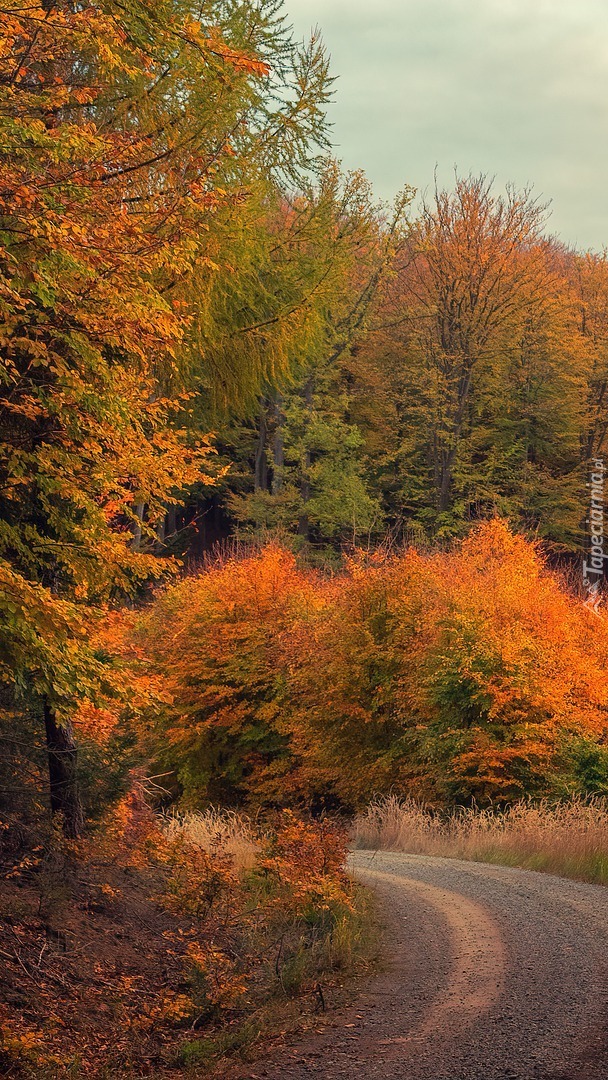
492	973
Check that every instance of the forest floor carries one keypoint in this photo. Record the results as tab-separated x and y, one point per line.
491	973
102	976
76	957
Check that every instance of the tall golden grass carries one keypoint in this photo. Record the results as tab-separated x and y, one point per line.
223	831
568	838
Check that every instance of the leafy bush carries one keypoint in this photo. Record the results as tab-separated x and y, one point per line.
471	675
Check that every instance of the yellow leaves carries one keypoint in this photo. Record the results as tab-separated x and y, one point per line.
27	1047
213	972
172	1007
95	723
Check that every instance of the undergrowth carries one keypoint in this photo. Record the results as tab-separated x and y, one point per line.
158	944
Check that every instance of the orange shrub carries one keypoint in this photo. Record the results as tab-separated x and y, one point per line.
472	674
214	640
464	675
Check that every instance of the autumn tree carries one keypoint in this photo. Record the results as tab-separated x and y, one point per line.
127	134
469	674
473	268
464	281
476	262
214	640
449	676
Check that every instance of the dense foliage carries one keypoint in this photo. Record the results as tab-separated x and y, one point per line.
478	387
171	243
472	674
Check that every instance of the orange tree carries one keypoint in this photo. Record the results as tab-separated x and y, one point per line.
127	132
214	641
344	677
472	674
513	684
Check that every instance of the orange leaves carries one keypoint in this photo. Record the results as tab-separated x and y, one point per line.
212	973
319	849
307	860
192	32
197	880
519	636
448	675
409	668
237	59
94	723
126	149
215	640
68	182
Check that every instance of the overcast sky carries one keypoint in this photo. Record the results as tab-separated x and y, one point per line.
514	88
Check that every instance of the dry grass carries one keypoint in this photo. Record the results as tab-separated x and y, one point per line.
223	831
570	838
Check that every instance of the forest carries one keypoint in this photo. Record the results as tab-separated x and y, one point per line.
294	496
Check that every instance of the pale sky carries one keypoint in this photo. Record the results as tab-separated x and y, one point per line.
514	88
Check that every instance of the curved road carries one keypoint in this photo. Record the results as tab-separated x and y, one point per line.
492	973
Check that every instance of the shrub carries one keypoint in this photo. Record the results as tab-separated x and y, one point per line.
471	675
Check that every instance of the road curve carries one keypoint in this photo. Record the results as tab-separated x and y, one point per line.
492	973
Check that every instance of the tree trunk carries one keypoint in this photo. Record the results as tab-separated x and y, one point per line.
171	521
139	517
445	479
261	463
278	448
160	535
63	773
303	523
448	455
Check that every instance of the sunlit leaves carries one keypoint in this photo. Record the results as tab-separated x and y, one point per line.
130	134
450	676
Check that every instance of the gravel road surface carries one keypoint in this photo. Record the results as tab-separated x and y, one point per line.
491	973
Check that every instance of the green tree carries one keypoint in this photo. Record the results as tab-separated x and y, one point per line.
310	472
